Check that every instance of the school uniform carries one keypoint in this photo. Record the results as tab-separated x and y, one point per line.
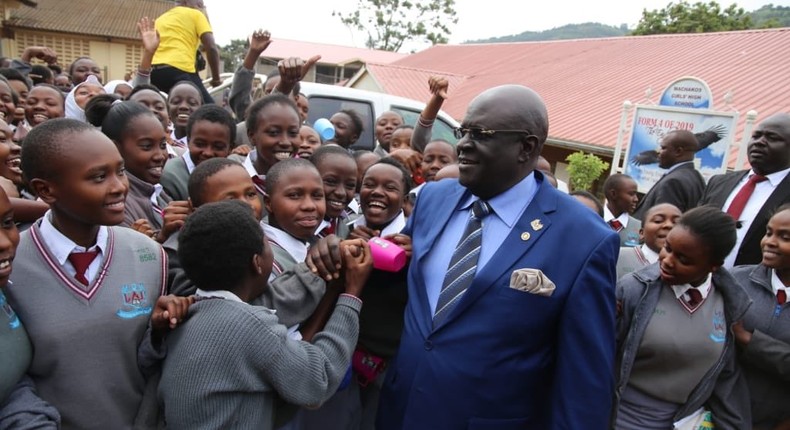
626	226
248	346
145	201
175	176
380	326
288	251
765	359
337	226
633	258
91	342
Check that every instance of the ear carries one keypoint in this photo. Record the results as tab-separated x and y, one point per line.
256	265
45	190
641	235
530	149
267	203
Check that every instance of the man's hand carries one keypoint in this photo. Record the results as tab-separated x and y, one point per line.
324	258
402	241
363	232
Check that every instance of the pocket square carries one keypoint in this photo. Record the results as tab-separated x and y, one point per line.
532	281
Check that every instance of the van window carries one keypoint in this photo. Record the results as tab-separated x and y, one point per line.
441	129
325	107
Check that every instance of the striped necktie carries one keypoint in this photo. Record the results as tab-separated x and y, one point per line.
463	263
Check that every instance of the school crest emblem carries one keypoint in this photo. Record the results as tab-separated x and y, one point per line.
135	301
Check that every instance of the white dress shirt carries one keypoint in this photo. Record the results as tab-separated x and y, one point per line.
61	246
762	191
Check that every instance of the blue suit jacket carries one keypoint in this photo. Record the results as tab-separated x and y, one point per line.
507	359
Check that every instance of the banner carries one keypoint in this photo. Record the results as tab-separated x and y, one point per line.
714	131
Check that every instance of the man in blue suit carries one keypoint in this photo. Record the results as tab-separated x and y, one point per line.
529	341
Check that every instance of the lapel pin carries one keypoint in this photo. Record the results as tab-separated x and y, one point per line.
536	224
525	236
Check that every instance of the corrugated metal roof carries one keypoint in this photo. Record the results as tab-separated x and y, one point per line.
585	82
330	54
105	18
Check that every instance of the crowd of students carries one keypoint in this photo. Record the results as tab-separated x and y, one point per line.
183	265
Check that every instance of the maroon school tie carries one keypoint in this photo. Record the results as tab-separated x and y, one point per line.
616	225
781	297
739	202
330	229
81	261
260	184
695	297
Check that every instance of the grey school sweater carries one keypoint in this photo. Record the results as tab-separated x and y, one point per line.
229	360
85	340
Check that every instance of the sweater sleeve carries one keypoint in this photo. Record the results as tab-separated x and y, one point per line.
24	410
320	366
239	98
769	354
294	295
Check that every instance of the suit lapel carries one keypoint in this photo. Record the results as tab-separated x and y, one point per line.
535	221
729	183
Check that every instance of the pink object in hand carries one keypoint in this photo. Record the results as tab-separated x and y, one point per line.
386	255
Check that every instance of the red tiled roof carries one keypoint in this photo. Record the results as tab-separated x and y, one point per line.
106	18
330	54
584	82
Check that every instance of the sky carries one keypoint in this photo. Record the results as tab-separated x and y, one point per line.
312	21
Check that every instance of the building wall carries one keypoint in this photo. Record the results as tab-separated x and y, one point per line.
367	82
116	57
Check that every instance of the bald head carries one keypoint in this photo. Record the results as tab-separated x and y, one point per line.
507	127
677	146
518	107
769	147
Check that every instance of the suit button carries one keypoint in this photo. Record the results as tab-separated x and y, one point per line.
428	345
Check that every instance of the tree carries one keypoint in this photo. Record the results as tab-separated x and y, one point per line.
584	169
232	54
771	16
390	23
700	17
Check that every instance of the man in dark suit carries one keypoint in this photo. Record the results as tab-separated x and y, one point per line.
510	318
682	184
763	188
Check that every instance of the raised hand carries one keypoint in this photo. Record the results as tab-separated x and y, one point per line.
260	40
148	34
438	86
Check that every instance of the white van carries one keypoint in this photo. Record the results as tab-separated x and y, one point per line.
326	100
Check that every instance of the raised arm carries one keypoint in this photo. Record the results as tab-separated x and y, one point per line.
438	87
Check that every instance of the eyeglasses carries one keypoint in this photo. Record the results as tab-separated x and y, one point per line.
477	133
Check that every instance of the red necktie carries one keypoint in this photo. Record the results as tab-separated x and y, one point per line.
616	225
81	261
695	297
739	202
330	229
260	184
781	297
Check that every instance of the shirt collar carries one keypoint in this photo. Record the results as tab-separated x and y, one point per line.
324	224
682	163
650	255
608	216
704	288
222	294
774	178
776	283
509	205
188	160
155	194
178	142
394	227
61	246
249	164
295	247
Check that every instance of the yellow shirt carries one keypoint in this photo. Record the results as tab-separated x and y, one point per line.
179	30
